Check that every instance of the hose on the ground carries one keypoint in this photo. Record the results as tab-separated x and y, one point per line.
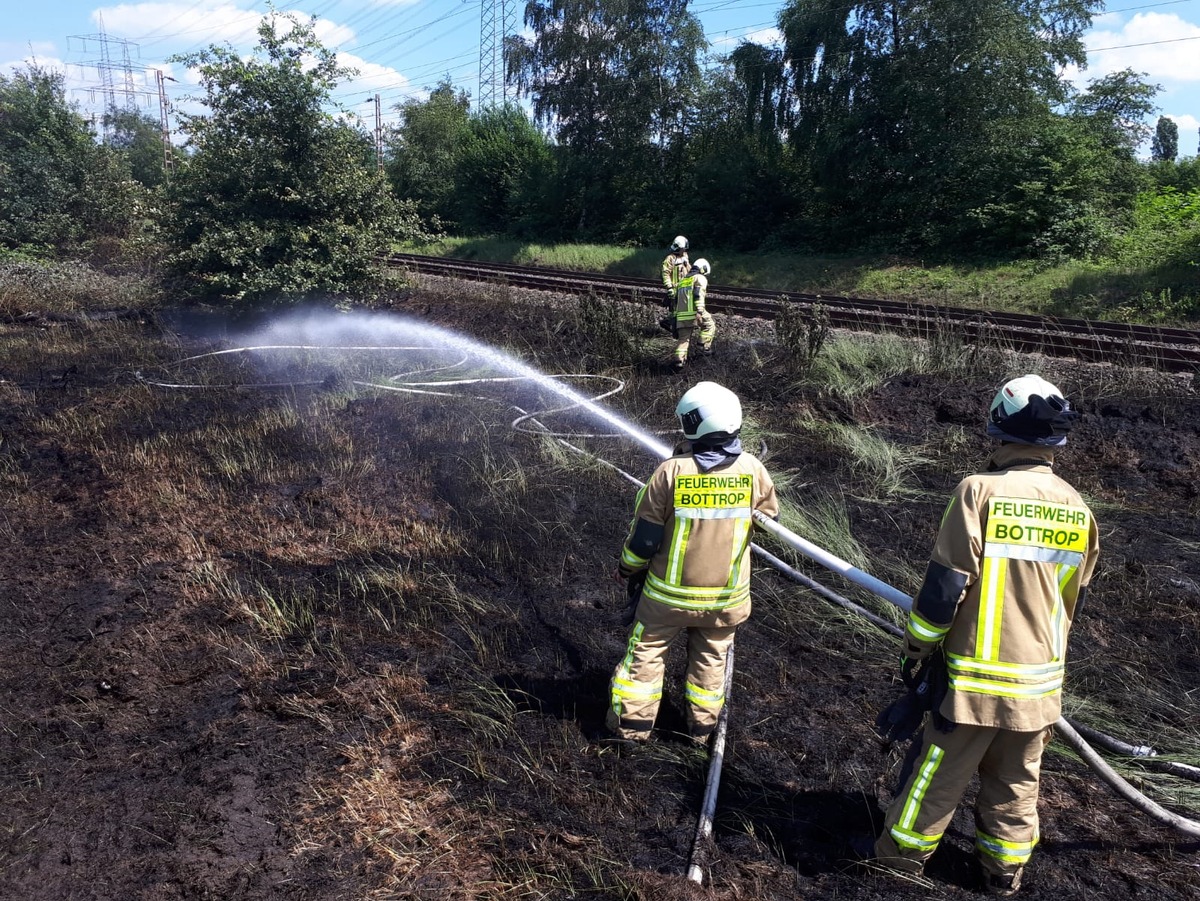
1071	732
716	758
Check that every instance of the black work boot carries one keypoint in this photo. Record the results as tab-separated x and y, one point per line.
1003	884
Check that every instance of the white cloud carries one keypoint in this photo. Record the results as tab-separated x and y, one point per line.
179	24
331	34
44	61
372	76
1159	50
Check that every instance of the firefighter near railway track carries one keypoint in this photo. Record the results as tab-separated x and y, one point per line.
689	316
986	641
686	562
674	268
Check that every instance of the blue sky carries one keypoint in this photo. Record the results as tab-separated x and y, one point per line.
403	47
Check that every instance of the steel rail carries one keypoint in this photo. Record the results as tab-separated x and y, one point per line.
1159	347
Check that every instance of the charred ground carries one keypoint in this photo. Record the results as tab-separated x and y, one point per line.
327	642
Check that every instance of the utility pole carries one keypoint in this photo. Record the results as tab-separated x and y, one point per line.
164	107
378	134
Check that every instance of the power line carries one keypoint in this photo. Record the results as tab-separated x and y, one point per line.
1195	37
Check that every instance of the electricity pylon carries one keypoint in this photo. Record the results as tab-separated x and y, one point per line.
497	20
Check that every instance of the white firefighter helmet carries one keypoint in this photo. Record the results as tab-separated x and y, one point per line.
707	408
701	266
1030	410
680	243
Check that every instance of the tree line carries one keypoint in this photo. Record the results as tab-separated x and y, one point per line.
930	126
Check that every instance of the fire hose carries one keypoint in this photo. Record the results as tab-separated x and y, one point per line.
1070	732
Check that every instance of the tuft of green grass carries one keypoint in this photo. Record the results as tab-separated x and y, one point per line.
883	469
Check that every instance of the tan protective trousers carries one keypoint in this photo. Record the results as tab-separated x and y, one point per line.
637	684
1006	822
707	331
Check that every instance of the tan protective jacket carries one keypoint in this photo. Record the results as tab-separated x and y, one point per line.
702	562
674	267
1014	554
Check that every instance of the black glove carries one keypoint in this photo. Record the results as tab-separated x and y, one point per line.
633	587
668	322
901	719
936	682
910	672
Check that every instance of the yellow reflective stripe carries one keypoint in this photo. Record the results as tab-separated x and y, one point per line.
1000	689
636	691
916	794
1058	614
634	637
741	535
1065	574
622	674
946	512
1004	851
695	598
956	663
914	841
679	540
632	560
703	697
991	608
923	630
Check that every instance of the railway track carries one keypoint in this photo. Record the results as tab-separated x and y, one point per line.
1170	349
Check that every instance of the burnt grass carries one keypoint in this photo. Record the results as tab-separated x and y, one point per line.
329	642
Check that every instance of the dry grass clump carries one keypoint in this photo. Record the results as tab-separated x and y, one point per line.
36	286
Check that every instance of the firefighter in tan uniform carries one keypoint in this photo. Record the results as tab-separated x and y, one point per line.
690	542
1008	575
675	267
691	315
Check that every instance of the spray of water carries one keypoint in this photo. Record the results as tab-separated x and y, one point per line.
358	333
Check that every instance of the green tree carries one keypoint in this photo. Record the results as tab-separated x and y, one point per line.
58	187
613	80
423	151
138	138
279	199
907	110
503	168
1165	144
739	184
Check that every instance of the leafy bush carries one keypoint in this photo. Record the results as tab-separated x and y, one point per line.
58	187
279	201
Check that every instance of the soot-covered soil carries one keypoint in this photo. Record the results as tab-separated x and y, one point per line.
370	659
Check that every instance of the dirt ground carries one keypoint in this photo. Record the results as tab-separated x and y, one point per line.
198	702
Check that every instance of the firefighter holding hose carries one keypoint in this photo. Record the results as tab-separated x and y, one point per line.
687	559
1008	575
